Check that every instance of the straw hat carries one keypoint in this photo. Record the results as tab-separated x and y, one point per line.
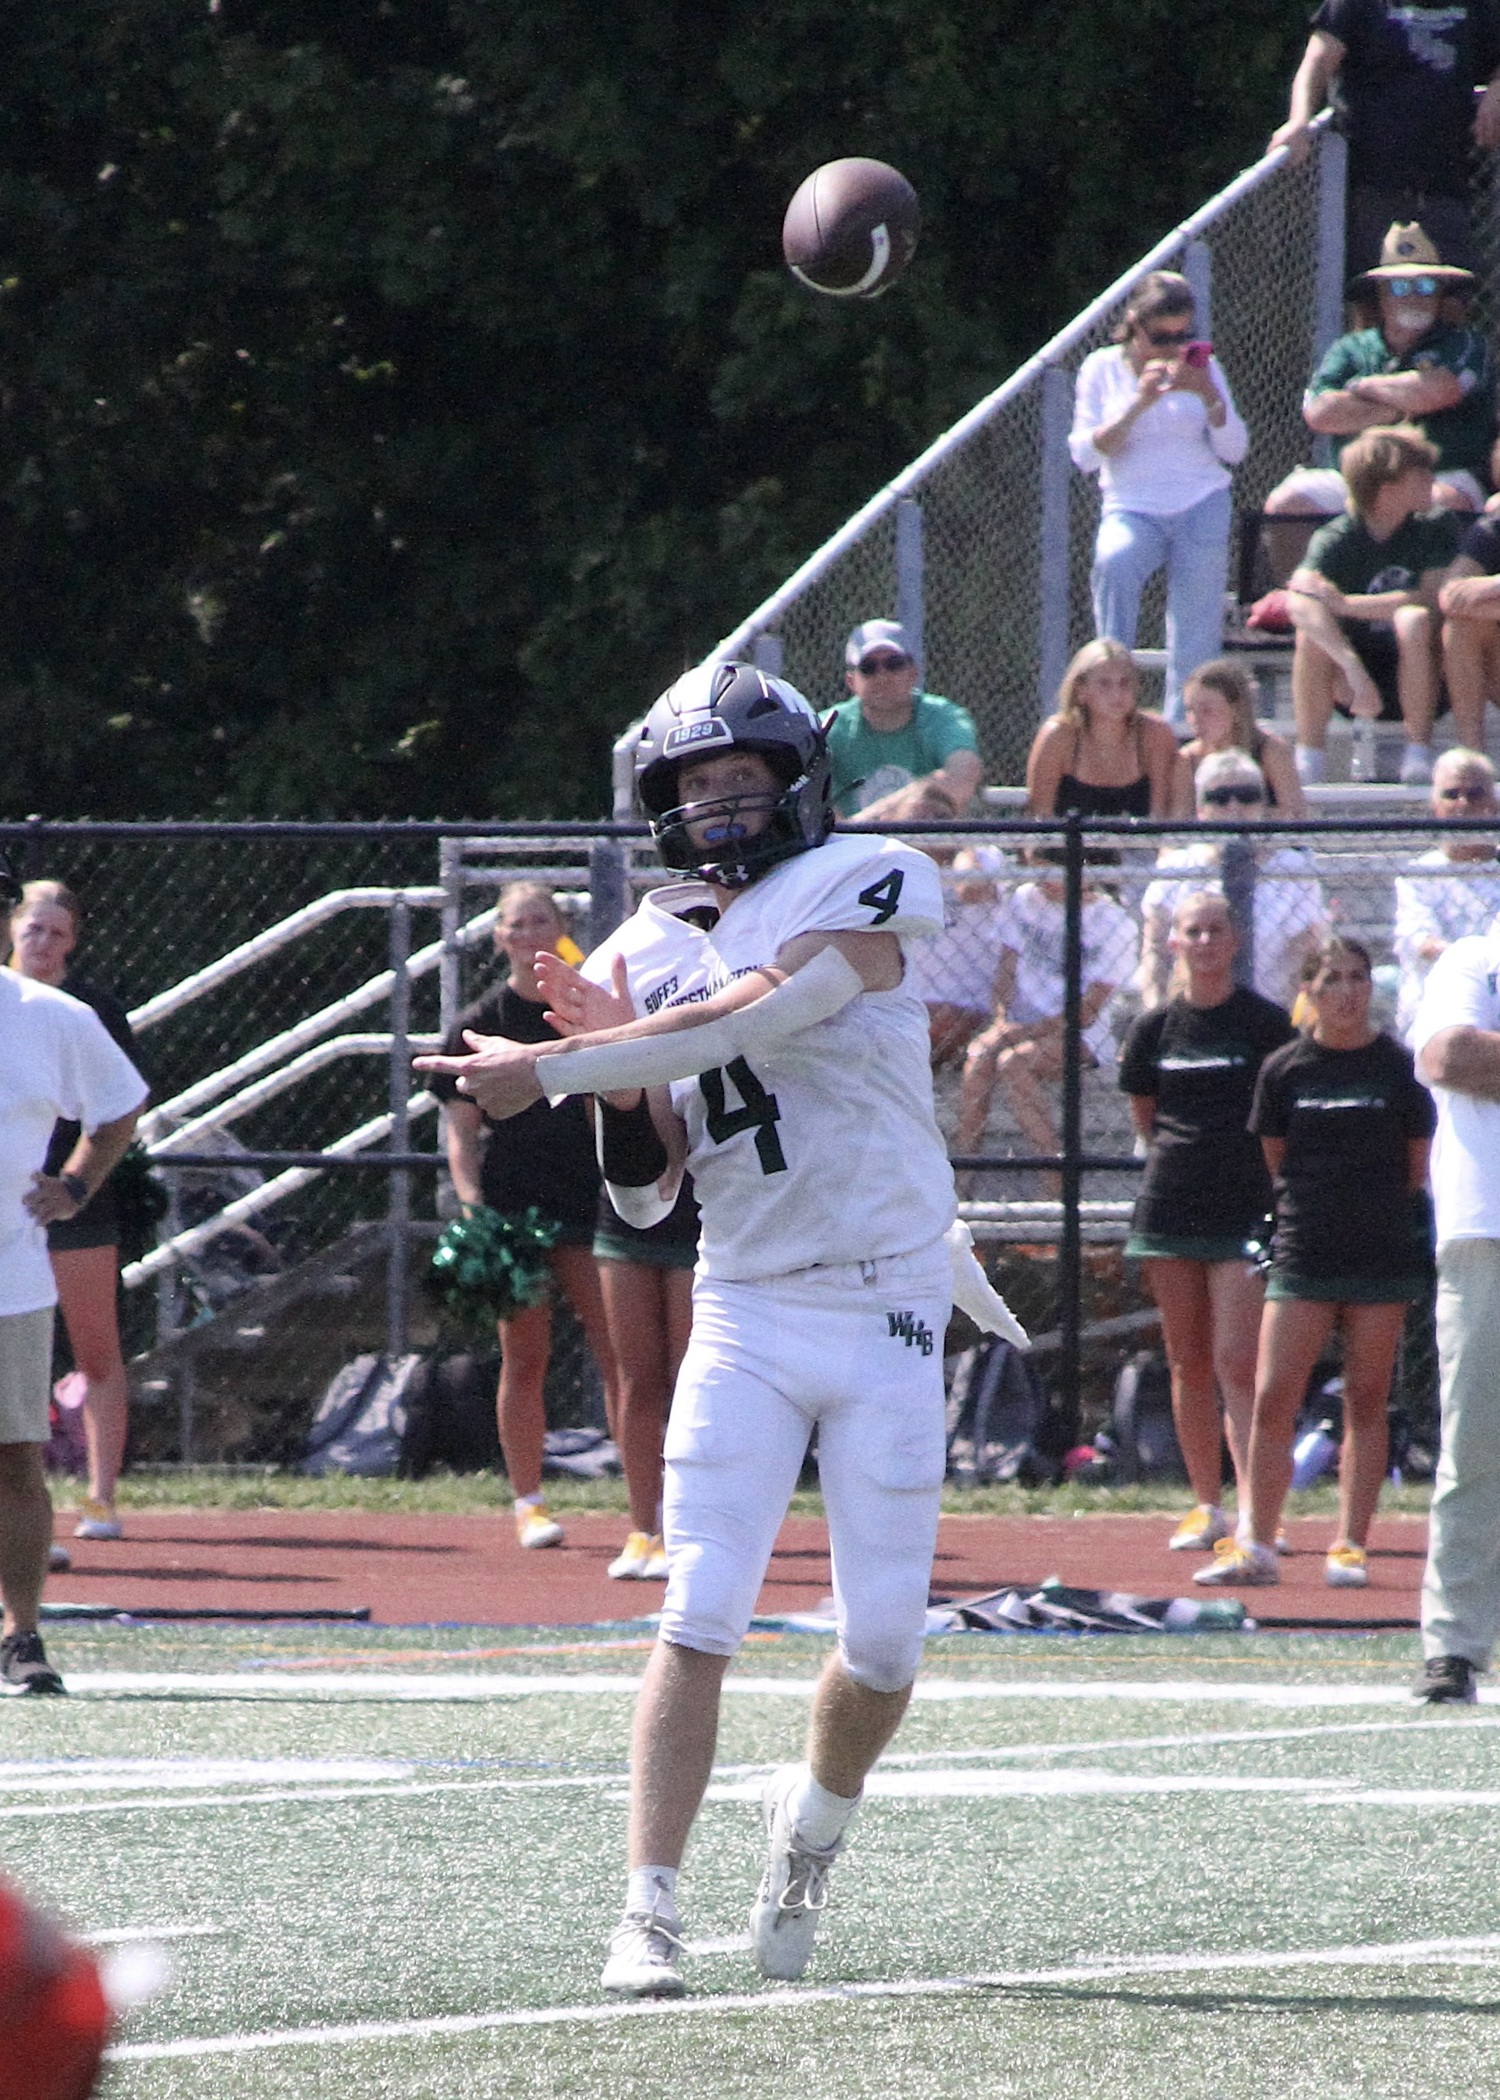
1407	252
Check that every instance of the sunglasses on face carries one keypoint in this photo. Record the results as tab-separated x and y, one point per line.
1166	338
868	666
1476	791
1221	798
1412	287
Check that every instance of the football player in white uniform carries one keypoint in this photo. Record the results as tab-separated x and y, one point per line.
786	1065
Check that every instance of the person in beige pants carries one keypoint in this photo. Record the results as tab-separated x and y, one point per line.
1456	1037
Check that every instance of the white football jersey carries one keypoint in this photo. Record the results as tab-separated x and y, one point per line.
828	1150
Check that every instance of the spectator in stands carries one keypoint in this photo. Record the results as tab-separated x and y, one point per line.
55	1060
1470	604
892	741
1346	1126
1102	754
1154	418
1414	367
1406	81
1433	911
1289	916
1220	708
1365	601
1022	1046
542	1159
1190	1070
954	973
84	1248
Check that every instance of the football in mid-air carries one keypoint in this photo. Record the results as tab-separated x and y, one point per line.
851	229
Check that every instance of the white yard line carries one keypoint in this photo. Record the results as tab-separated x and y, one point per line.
1205	1740
450	1685
306	1796
1108	1969
128	1935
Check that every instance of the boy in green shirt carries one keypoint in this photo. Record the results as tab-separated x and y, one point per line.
1364	601
897	752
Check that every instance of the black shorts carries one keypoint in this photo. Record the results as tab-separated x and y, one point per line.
96	1225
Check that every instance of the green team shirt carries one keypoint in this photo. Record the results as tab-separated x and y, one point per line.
1344	552
1463	434
868	763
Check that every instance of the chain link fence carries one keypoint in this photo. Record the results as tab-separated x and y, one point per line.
1055	940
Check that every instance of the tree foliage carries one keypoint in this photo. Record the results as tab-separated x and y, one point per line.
396	396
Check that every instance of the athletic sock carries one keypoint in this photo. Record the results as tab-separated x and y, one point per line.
652	1889
533	1501
1312	766
818	1816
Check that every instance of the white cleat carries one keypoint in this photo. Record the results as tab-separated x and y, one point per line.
794	1888
644	1951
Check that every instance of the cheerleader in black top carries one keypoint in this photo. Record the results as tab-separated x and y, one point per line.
542	1159
1190	1069
1346	1128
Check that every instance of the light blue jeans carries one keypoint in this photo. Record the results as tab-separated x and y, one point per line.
1193	547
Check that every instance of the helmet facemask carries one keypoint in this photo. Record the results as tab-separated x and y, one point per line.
730	855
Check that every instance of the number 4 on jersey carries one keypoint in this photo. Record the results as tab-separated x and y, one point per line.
759	1113
883	896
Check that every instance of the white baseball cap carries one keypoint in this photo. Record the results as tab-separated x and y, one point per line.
877	634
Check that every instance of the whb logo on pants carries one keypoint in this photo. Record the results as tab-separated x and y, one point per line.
914	1332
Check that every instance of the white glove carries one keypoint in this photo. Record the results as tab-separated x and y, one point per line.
973	1292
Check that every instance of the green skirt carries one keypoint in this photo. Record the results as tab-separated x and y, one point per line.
1173	1246
1350	1290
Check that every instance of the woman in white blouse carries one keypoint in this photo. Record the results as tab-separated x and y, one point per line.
1154	419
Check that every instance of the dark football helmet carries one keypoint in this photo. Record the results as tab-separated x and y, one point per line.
734	707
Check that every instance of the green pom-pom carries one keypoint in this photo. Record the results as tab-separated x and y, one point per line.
488	1266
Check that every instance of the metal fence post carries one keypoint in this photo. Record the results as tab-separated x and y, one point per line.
1070	1242
398	1210
1198	269
609	891
766	655
910	579
1328	294
1052	542
451	877
1237	872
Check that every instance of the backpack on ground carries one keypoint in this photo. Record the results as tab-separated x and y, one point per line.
361	1419
997	1418
452	1422
1142	1431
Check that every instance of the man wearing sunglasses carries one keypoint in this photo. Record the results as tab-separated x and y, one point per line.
1413	366
1454	889
897	752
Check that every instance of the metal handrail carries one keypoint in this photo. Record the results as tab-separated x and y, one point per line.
314	1060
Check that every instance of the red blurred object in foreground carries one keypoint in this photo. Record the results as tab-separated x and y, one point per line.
54	2018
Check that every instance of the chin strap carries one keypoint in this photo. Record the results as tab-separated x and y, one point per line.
973	1292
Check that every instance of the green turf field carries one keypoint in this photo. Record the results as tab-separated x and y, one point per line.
385	1862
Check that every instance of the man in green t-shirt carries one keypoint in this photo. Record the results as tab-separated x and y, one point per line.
897	752
1364	601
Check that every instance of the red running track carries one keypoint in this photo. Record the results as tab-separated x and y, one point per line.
468	1570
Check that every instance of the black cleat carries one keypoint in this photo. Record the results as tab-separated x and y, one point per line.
24	1668
1446	1680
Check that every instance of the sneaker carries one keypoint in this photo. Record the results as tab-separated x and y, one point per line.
634	1559
1240	1561
1345	1568
59	1559
644	1950
1416	765
24	1667
1200	1530
1446	1680
534	1527
794	1888
97	1520
656	1566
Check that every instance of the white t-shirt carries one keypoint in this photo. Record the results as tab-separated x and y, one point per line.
827	1151
56	1059
1288	904
1033	925
958	967
1461	993
1172	458
1446	908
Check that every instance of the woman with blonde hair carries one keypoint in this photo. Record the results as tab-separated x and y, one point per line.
1219	703
1101	754
542	1160
84	1249
1190	1069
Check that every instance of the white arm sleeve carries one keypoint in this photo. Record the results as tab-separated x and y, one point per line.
973	1292
814	993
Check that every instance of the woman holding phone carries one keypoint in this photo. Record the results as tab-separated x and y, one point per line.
1155	420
